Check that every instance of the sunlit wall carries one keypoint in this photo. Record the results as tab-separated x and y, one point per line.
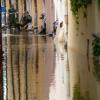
60	10
55	9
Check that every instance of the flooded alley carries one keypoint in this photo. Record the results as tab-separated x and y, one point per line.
49	50
33	69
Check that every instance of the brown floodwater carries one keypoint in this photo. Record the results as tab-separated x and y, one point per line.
34	68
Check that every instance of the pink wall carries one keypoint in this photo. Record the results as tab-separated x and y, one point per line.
49	14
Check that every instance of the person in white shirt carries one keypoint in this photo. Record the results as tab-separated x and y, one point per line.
61	33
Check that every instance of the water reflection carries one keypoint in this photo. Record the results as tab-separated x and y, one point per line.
34	69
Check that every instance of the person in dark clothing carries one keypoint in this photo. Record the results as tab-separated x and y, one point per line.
55	24
43	27
12	16
25	20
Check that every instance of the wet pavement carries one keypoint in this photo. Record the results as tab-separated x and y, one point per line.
34	68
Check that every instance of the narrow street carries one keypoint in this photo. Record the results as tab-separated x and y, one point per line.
34	69
49	50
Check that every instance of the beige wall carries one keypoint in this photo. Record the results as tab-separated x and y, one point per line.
20	8
78	48
39	9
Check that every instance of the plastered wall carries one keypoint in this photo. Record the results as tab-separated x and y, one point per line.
80	50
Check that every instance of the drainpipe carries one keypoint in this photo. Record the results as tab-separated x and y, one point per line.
36	13
9	3
1	78
25	5
17	9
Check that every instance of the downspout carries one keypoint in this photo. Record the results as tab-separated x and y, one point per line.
24	5
17	9
10	3
36	14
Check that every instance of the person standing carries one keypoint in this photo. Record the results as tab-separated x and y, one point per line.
61	33
12	16
55	25
43	27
